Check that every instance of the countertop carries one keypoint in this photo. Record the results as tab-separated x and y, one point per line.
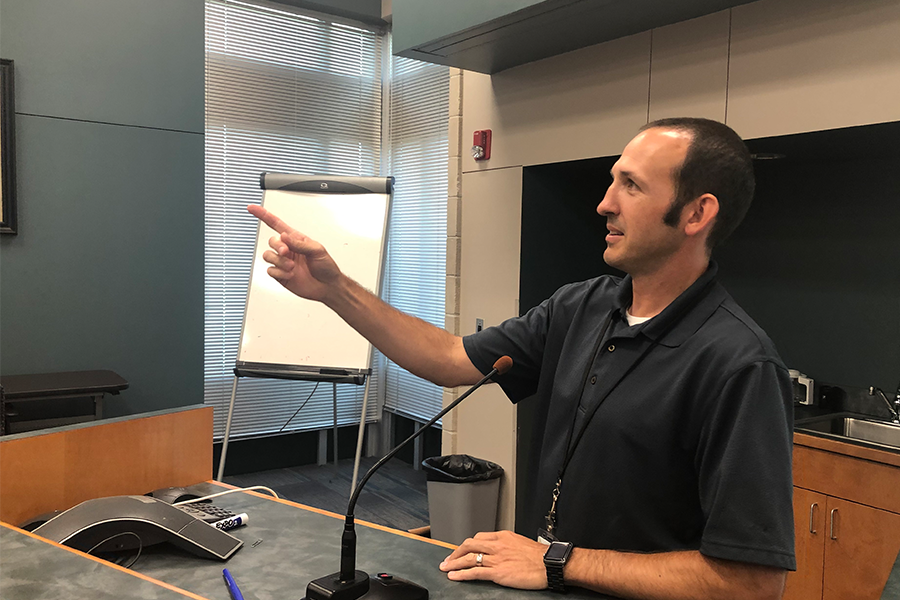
837	443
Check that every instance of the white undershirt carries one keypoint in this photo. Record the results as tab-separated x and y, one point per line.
632	320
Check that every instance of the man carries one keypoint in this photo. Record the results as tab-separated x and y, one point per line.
666	456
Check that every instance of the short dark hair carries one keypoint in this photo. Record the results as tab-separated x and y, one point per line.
718	163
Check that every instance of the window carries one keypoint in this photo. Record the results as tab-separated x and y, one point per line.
298	93
417	244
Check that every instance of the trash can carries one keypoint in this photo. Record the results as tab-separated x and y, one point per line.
463	494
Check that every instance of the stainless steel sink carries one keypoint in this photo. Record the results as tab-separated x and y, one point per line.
854	427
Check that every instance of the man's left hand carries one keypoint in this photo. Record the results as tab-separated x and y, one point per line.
508	559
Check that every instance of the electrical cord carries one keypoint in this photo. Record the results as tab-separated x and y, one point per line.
217	494
301	407
112	537
255	487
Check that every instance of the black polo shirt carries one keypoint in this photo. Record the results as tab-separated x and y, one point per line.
687	444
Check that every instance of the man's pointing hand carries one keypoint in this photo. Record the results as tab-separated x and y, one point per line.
300	264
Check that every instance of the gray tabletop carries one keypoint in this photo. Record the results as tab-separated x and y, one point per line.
299	545
32	569
892	587
285	547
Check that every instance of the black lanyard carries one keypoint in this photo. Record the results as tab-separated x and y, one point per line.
550	519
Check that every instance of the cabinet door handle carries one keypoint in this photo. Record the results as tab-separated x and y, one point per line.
812	512
831	535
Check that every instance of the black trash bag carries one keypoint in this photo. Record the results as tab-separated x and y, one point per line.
460	468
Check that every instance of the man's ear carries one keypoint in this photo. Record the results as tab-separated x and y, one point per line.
699	215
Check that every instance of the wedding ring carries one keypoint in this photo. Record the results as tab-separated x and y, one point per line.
479	559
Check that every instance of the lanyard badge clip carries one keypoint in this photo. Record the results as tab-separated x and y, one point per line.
547	535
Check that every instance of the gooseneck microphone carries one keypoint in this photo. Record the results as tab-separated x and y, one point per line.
348	583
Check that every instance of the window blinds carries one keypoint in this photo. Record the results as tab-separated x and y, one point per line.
417	243
290	92
285	92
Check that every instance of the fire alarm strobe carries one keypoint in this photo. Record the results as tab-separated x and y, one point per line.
481	145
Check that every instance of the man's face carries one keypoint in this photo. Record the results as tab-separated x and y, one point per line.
642	190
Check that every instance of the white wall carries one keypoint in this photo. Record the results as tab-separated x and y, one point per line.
767	68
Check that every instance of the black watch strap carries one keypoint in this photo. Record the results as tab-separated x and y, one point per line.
555	578
555	559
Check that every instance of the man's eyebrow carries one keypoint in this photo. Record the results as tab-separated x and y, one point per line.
626	174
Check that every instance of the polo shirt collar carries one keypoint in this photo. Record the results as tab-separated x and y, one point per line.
684	316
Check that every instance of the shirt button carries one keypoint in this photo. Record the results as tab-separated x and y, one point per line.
611	347
593	380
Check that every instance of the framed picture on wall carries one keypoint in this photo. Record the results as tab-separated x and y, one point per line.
7	148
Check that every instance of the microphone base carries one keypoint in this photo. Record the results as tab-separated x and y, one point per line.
378	587
331	587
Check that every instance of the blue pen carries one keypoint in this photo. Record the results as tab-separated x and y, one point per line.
232	586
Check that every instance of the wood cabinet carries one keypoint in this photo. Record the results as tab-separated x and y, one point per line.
584	104
809	545
809	65
846	520
860	549
689	67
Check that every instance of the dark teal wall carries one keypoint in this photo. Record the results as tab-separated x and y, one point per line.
106	271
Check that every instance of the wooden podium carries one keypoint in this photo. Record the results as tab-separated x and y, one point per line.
55	469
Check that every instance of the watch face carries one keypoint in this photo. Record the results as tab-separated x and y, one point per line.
557	551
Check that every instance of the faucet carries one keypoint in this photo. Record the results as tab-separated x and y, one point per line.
894	408
896	404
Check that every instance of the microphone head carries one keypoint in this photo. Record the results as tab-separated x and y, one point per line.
503	364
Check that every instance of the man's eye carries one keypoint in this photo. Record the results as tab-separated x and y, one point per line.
631	185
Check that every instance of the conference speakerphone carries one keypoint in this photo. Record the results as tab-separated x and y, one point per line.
132	522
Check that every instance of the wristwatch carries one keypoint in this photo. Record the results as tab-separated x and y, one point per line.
555	561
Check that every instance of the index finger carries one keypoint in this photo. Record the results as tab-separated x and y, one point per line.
269	219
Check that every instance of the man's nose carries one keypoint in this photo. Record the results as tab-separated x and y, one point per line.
605	208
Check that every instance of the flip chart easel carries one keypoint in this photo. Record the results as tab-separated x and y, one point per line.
284	336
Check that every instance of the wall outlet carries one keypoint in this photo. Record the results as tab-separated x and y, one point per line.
479	325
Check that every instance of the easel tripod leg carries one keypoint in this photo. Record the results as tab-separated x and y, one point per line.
227	430
334	441
359	436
